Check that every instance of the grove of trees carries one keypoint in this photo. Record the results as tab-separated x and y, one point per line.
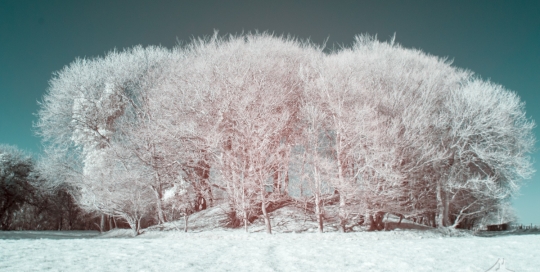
254	120
26	205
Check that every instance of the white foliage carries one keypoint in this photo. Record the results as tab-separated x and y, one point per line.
400	131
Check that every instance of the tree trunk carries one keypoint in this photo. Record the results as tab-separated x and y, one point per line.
442	206
367	220
265	214
132	224
277	189
318	212
301	175
342	201
210	196
186	217
286	181
376	221
370	222
157	193
138	226
110	222
71	219
342	213
102	223
318	202
202	173
286	172
245	221
244	209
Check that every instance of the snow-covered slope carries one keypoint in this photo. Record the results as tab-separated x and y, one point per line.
290	218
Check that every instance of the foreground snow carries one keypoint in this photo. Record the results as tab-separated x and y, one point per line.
238	251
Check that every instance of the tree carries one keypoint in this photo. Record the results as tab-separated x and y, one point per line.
26	202
402	91
316	162
87	105
127	197
16	183
485	141
257	83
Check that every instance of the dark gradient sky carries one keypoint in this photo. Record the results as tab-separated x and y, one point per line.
498	40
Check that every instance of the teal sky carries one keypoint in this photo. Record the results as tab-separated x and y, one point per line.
498	40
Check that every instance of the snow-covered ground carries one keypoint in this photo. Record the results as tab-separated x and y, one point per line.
46	234
234	250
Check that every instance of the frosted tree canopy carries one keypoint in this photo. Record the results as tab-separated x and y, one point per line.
255	121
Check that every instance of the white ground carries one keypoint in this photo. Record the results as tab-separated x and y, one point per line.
222	250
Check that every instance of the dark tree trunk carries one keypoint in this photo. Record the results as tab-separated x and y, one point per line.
376	221
276	189
110	222
400	219
186	217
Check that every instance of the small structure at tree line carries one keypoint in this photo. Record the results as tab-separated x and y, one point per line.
498	227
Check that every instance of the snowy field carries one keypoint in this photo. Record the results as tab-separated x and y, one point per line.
237	251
